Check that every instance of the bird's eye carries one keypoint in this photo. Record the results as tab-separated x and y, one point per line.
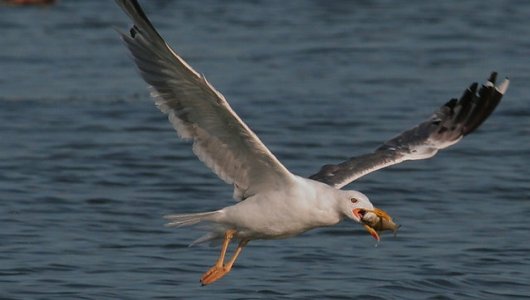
353	200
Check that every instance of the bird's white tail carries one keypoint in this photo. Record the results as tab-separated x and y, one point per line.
179	220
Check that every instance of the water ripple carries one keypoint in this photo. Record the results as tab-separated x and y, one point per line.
89	166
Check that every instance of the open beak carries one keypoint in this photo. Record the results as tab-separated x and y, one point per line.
375	221
358	214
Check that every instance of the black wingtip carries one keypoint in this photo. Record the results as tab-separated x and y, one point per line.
493	77
133	31
483	103
141	13
133	9
473	87
451	103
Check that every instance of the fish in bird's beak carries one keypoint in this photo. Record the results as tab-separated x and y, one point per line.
376	221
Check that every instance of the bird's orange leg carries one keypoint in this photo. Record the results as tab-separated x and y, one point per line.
220	269
242	244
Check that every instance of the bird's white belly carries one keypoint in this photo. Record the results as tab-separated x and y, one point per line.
279	215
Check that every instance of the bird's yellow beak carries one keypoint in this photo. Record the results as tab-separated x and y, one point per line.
375	221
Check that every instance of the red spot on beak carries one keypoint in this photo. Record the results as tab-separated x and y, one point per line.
372	232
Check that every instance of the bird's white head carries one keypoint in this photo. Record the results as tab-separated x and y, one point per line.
356	206
353	204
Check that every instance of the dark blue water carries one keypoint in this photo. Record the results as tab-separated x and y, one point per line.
88	165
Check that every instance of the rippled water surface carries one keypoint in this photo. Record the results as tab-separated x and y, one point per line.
88	165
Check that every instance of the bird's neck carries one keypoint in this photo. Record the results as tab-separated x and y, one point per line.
327	210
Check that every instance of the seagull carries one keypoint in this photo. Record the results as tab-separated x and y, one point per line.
272	202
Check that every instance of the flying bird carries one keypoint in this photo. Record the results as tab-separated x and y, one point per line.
272	202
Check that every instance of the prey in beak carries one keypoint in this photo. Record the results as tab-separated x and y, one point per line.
375	221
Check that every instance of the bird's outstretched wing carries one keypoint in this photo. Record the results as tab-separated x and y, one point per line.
200	113
445	127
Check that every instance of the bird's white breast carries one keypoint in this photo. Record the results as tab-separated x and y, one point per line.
286	212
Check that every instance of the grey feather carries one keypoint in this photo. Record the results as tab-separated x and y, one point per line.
448	125
200	113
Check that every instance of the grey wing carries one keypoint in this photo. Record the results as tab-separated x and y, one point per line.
445	127
200	113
